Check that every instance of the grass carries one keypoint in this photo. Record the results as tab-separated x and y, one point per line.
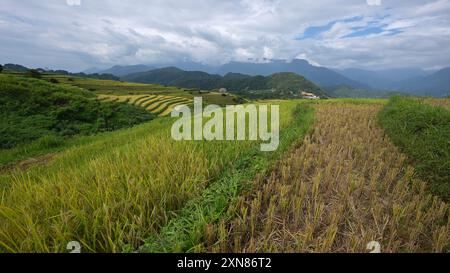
335	190
422	132
345	186
116	191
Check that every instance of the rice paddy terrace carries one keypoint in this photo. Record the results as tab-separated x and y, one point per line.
159	105
347	172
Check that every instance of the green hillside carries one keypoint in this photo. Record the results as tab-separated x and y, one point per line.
32	109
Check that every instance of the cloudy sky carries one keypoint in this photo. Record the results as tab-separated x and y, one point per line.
374	34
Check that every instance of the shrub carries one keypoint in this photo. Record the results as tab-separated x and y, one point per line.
55	81
33	73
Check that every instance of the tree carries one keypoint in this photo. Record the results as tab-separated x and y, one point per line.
1	68
33	73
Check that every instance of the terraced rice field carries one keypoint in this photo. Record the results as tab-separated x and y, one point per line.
156	104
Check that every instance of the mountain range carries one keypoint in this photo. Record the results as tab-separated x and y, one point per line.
409	80
241	75
319	75
285	84
121	71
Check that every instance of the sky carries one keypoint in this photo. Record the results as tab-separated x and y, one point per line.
80	34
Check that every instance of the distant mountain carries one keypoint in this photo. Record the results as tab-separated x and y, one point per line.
15	67
436	84
91	70
120	71
370	78
190	66
319	75
282	84
400	74
176	77
382	79
123	70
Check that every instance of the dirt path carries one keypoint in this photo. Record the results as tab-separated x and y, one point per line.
28	163
344	187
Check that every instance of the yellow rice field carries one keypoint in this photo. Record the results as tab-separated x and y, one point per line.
159	105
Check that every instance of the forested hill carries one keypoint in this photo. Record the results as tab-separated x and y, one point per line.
280	83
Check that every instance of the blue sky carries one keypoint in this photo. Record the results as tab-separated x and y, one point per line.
315	31
371	34
365	29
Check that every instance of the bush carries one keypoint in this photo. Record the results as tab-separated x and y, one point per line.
55	81
422	132
33	73
1	68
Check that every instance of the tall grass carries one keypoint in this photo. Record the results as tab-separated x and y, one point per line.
422	131
344	187
114	192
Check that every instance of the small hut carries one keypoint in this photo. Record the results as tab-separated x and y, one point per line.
309	96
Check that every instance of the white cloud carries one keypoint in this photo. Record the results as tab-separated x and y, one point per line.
105	32
374	2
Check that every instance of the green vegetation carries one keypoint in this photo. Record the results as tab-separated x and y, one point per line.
185	232
116	191
422	132
280	85
350	92
32	109
33	73
1	68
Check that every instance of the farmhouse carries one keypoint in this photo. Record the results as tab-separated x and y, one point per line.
309	96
